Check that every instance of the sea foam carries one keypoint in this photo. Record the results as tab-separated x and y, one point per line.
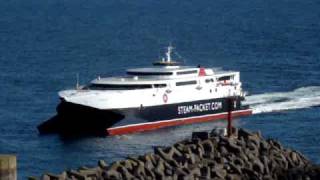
303	97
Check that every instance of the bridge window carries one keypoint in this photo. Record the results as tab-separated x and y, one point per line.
224	78
150	73
187	72
160	85
209	80
118	86
184	83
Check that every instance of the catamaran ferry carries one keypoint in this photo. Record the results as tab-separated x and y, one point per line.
166	94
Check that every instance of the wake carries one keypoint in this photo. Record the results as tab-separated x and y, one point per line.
304	97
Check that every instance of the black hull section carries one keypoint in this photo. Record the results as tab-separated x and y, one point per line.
73	119
180	110
189	109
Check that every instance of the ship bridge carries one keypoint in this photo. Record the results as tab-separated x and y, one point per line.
163	71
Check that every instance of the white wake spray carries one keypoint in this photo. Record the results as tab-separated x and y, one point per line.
304	97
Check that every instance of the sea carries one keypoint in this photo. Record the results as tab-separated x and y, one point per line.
45	45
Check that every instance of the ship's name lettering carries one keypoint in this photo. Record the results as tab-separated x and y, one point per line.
211	106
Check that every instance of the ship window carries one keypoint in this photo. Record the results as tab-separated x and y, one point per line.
187	72
209	80
224	78
184	83
150	73
118	86
160	85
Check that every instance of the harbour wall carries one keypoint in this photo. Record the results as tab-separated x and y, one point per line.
206	155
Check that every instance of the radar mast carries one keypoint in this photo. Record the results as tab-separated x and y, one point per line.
167	61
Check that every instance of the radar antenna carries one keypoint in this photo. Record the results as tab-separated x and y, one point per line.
168	53
77	84
167	60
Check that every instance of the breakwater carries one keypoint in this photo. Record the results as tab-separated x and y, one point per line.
245	155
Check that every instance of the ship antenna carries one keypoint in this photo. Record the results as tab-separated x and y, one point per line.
77	85
168	53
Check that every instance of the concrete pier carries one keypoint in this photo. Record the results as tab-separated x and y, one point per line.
8	167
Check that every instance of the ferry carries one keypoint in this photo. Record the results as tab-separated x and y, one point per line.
165	94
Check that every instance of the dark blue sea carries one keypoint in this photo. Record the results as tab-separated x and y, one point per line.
44	44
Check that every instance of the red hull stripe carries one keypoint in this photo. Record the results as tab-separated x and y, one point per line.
132	128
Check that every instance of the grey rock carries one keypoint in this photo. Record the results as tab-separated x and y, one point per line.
208	146
139	171
150	174
127	164
149	165
255	140
252	146
199	151
265	161
76	174
274	143
251	156
180	147
243	157
93	172
191	157
208	162
220	173
217	132
244	133
181	172
233	177
112	175
168	172
264	146
238	162
205	172
195	172
125	173
115	165
220	160
267	177
272	165
258	166
249	173
159	170
233	148
134	161
223	150
45	177
235	169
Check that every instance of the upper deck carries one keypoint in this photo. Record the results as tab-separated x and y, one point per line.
166	70
155	75
163	72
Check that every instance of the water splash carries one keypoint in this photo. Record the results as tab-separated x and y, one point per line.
303	97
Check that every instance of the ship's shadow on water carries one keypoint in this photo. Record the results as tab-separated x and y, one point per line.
75	120
60	125
76	126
